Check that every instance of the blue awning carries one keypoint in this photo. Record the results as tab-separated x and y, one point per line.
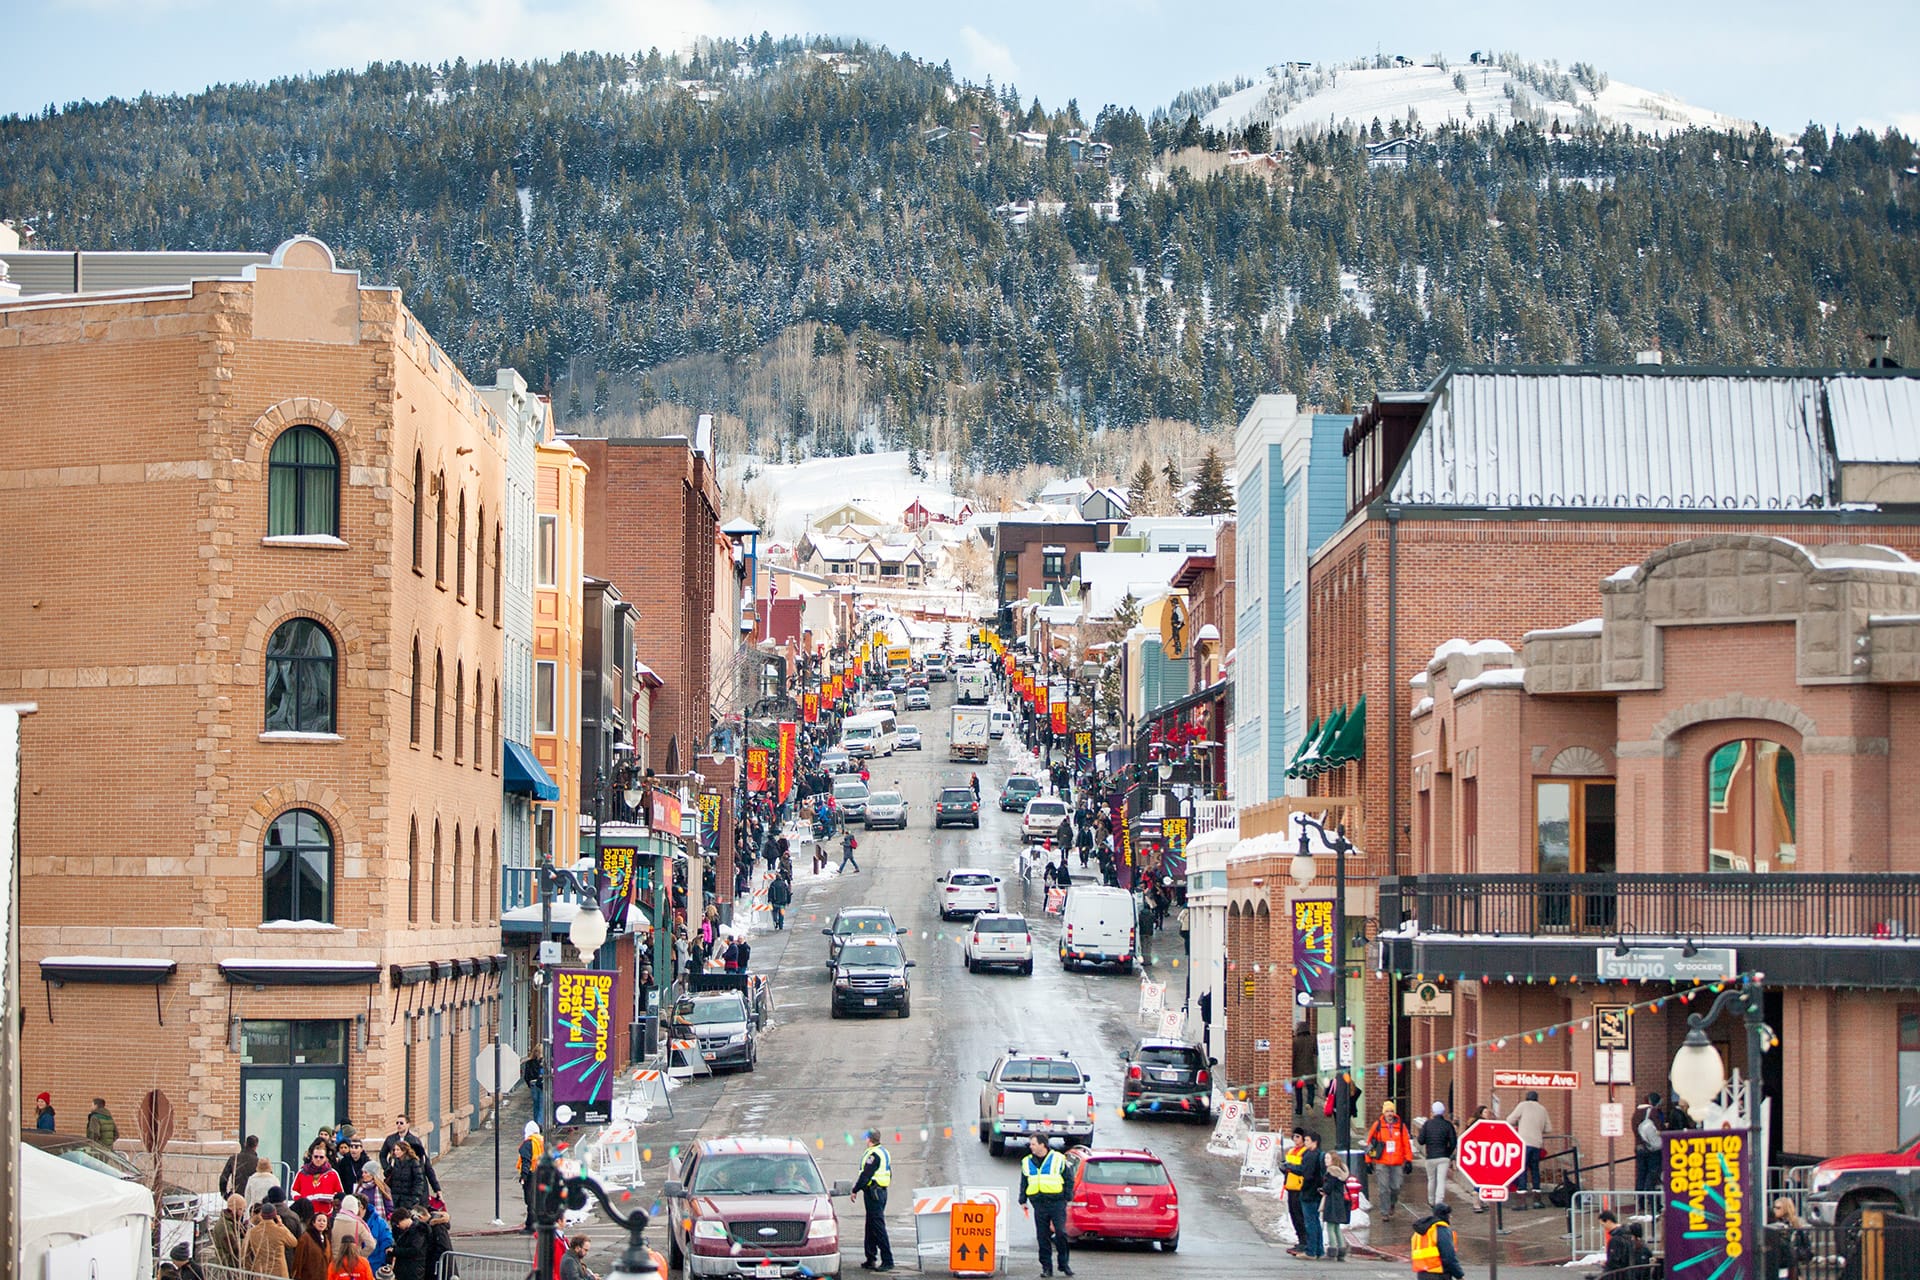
526	776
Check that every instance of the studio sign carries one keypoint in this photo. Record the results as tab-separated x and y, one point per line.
1667	964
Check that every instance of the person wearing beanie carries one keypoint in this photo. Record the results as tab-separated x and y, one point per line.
350	1224
1438	1141
1389	1150
532	1147
43	1112
268	1243
229	1232
1433	1251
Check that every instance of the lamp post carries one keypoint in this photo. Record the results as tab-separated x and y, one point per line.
1698	1077
1304	870
554	1192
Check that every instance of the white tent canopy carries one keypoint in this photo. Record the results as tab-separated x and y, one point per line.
82	1223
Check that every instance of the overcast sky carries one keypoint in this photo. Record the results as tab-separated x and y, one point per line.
1777	62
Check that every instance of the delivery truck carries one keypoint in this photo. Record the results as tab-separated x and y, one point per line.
970	684
967	734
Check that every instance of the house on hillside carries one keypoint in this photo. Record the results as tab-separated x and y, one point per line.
1065	493
1099	154
844	514
891	564
1391	154
828	556
1031	139
936	509
1105	503
936	135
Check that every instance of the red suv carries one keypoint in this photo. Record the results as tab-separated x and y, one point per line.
1124	1194
752	1209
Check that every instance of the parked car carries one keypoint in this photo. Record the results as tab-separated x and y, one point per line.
1098	927
724	1025
1842	1187
175	1200
1000	721
858	922
957	805
908	737
752	1209
1123	1194
886	809
1045	818
1029	1093
966	891
917	700
834	760
870	976
998	941
897	682
850	797
1018	790
1166	1077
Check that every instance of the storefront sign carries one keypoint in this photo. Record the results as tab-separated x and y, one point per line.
1707	1234
1612	1044
1313	965
1536	1079
1427	1000
1666	964
616	884
757	758
663	811
582	1038
789	756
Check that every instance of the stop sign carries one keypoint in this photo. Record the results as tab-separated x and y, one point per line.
1491	1153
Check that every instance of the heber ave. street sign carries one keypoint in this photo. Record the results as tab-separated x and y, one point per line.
1491	1153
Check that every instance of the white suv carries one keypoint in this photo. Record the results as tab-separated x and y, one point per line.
998	940
968	891
1043	819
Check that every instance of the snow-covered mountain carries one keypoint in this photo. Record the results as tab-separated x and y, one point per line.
1295	98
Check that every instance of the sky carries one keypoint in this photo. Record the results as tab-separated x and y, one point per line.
1765	60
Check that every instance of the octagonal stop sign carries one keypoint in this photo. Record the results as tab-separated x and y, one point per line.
1491	1153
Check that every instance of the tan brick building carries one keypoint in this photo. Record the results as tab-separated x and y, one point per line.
254	529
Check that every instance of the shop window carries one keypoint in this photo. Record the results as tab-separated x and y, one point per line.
460	552
303	485
419	514
547	553
543	697
297	870
1909	1073
300	675
1751	819
1574	834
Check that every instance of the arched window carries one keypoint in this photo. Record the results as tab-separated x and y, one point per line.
419	513
1751	807
480	564
498	560
459	860
413	871
459	711
413	688
479	743
303	484
460	553
433	901
439	699
473	899
493	859
440	529
496	728
300	678
297	869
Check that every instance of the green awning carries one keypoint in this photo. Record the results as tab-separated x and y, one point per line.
1313	731
1312	761
1351	743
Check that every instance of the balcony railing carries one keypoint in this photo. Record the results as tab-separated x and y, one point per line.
1696	906
520	887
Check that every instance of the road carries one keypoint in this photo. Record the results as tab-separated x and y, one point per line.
916	1079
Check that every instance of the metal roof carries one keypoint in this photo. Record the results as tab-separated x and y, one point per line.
1875	419
1622	439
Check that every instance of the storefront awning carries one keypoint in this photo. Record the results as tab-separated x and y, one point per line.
526	776
301	973
121	971
1340	739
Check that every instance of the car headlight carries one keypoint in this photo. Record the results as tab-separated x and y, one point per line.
894	984
822	1229
738	1037
706	1229
842	984
1822	1179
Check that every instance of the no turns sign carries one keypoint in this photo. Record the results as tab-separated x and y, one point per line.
972	1239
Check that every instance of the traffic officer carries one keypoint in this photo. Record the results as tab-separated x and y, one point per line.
876	1175
1433	1252
1043	1185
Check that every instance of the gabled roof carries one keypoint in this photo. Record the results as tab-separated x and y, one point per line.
1108	576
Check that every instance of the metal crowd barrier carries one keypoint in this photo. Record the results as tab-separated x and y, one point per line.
1629	1206
480	1266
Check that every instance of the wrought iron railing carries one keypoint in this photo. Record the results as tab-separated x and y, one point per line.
520	887
1876	907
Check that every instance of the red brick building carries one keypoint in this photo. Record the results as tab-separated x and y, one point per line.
1707	779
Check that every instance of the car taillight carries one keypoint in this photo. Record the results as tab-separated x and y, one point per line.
1089	1108
1029	939
1200	1078
975	806
1000	1104
1069	933
1133	1073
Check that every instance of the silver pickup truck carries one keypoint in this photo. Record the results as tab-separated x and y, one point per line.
1029	1093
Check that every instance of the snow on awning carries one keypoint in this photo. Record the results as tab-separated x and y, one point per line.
300	973
130	971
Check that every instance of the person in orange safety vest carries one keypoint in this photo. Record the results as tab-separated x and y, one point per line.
1389	1151
1433	1252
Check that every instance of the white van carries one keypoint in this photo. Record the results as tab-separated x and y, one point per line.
869	735
1097	927
1000	721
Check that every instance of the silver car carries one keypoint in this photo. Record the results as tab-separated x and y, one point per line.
886	809
850	796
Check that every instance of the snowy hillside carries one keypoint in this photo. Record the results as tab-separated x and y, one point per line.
879	482
1295	99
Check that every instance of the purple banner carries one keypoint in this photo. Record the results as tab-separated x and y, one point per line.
1705	1176
1313	966
582	1045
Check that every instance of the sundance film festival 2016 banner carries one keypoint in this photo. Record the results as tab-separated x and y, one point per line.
1707	1234
1313	949
582	1047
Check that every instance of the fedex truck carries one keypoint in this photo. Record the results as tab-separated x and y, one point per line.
968	734
971	685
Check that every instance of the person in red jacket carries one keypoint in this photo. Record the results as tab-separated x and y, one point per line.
317	1182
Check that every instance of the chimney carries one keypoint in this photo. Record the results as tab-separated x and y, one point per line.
1651	356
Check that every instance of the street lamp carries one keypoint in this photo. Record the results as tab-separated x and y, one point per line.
1699	1076
1304	869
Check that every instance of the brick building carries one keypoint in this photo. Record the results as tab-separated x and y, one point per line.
1497	495
1030	555
1711	769
651	531
254	523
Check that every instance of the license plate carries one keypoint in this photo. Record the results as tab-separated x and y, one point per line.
1126	1202
1169	1075
709	1056
870	1002
767	1269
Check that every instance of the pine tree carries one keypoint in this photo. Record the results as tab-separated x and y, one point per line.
1210	495
1175	483
1140	489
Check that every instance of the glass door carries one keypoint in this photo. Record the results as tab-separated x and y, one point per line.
293	1082
1574	834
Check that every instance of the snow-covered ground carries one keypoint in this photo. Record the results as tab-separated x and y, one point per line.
1325	98
877	481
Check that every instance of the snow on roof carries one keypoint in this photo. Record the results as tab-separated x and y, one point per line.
876	481
827	547
1420	708
107	962
1496	677
1587	627
1107	576
1875	419
1075	488
252	962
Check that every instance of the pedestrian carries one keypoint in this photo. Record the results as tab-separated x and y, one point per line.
240	1166
43	1113
745	951
382	1251
1438	1140
181	1256
229	1232
313	1252
847	845
1788	1251
407	1176
100	1125
349	1262
412	1240
1530	1120
1389	1149
533	1074
403	1135
532	1147
730	956
268	1243
973	780
1336	1210
1043	1187
350	1223
1304	1170
317	1183
779	894
1649	1119
876	1175
1433	1251
573	1264
350	1158
260	1182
